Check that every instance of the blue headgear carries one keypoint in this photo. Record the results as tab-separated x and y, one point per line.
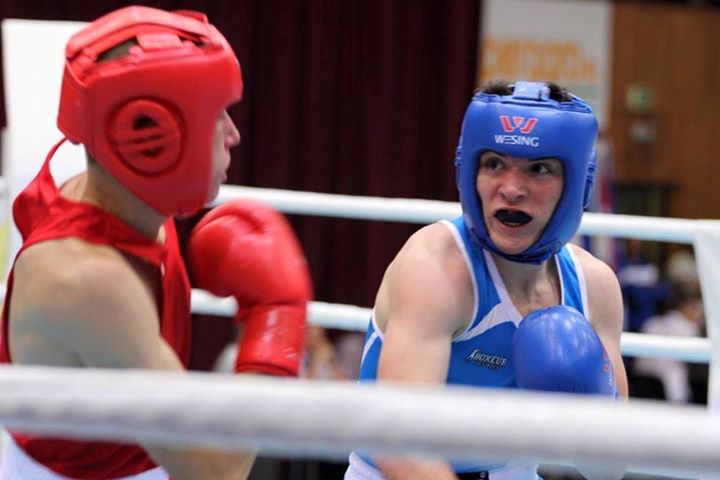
528	124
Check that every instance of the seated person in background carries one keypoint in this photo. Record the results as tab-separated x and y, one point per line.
683	317
349	347
321	357
642	290
681	266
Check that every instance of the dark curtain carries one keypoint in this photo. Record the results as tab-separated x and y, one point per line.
361	97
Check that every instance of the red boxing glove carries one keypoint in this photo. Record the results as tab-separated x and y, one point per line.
248	250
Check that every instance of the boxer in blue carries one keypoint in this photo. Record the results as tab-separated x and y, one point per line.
498	297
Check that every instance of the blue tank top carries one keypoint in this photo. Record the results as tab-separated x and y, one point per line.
482	354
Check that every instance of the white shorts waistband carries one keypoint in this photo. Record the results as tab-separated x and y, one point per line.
361	470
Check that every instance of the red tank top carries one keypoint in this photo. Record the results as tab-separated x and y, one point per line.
41	214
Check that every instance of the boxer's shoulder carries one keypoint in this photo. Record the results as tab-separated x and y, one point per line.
592	265
433	246
71	278
601	281
72	303
429	279
69	262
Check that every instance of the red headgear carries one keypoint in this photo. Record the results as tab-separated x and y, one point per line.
148	117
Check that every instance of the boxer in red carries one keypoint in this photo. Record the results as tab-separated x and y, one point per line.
99	281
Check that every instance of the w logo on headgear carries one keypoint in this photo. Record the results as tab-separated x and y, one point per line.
525	124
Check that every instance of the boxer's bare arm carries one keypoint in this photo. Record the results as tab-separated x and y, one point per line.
606	311
429	299
606	316
94	308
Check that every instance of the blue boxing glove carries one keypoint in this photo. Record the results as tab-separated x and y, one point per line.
556	349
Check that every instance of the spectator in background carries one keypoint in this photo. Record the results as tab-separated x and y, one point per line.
350	347
641	286
321	357
681	266
683	317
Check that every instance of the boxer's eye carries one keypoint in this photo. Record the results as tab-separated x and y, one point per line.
546	167
540	168
492	163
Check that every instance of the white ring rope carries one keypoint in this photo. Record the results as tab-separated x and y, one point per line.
685	349
328	419
428	211
354	318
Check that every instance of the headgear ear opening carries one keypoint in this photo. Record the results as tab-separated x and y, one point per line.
147	136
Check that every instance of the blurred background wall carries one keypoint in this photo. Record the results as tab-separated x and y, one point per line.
366	97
